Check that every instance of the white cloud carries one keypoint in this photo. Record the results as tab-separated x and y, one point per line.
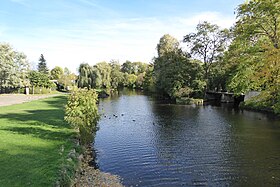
93	41
212	17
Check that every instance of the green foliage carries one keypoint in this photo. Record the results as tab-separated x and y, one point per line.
37	143
259	18
207	44
14	68
130	80
38	79
112	75
135	68
149	79
167	44
117	77
42	65
139	68
253	57
41	90
67	79
104	70
189	101
82	113
262	102
175	74
276	106
127	67
56	73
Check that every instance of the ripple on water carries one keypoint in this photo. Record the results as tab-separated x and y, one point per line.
149	144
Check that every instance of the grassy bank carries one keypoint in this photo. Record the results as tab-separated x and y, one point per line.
34	142
264	102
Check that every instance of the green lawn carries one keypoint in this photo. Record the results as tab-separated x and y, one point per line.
32	139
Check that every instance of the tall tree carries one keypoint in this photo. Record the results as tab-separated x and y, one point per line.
254	53
149	79
116	74
257	18
254	50
175	74
104	70
42	65
14	68
207	44
167	44
127	67
84	78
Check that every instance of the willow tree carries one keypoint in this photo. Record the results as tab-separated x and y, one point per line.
117	76
104	69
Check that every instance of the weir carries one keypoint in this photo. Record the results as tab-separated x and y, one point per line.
224	97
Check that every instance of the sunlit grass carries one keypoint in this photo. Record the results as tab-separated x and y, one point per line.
32	139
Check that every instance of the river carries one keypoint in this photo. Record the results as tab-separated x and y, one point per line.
150	143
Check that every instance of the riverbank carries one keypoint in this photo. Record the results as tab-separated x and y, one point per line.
35	142
38	148
89	176
262	103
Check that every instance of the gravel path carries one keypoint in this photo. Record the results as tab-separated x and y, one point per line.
11	99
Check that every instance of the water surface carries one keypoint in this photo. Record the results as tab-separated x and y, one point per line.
149	143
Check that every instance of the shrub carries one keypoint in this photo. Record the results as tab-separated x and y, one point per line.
82	113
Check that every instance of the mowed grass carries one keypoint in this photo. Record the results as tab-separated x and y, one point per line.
34	142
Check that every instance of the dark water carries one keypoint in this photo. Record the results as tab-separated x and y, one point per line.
149	143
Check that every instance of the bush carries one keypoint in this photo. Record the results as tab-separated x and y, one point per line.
82	113
265	101
189	101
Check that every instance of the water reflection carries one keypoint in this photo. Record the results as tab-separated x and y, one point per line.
150	143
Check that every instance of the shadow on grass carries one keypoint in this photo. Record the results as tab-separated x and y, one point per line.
27	161
34	166
41	133
46	124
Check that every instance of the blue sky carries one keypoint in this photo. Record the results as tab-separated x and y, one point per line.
69	32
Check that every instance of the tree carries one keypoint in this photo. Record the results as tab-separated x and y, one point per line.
82	113
131	79
258	18
175	74
42	65
104	70
167	44
86	76
139	68
41	80
127	67
67	79
56	73
149	79
116	75
14	68
207	44
254	53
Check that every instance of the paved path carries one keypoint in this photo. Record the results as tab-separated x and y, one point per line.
11	99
